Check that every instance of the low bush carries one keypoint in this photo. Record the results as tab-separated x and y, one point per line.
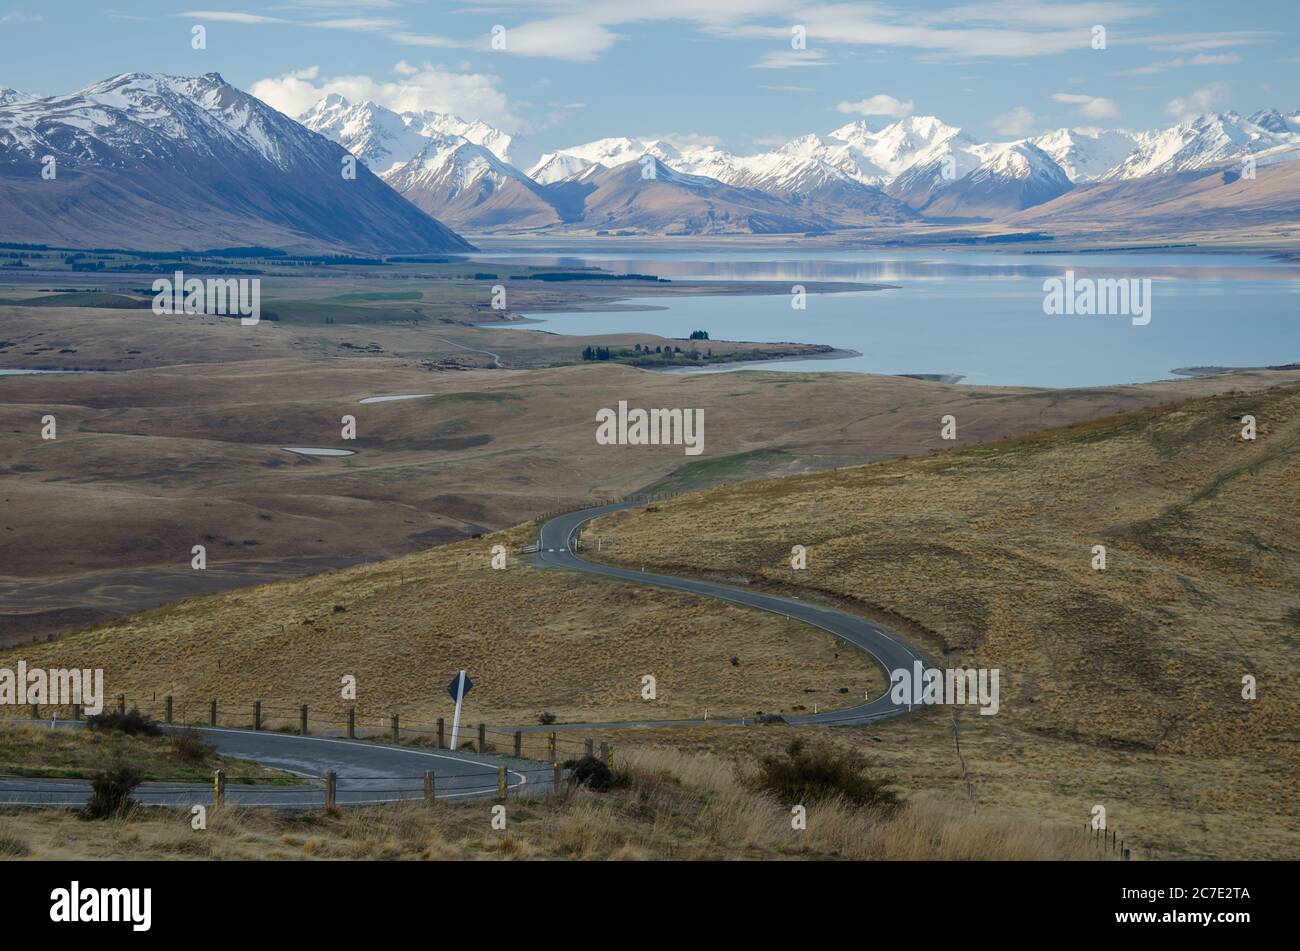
594	774
804	776
190	747
132	723
110	793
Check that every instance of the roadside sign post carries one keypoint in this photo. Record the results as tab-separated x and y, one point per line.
459	686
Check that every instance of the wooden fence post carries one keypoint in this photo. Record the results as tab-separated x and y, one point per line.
169	708
482	739
501	782
550	745
302	719
590	743
604	753
219	787
121	704
428	786
212	714
395	727
76	711
36	711
519	744
555	779
352	723
331	790
257	714
442	739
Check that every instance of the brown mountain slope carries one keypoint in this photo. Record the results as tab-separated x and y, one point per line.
1208	199
675	203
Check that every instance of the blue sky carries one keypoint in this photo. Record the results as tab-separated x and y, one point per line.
722	71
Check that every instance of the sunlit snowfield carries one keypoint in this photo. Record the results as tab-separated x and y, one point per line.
977	314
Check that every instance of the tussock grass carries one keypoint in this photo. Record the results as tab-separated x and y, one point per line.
1125	682
673	806
533	640
38	751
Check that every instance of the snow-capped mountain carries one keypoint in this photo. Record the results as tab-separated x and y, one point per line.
172	162
469	187
603	153
655	198
168	162
1016	177
385	139
453	169
1205	140
937	168
1085	155
881	156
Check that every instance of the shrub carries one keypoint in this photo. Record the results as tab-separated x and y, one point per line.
546	718
594	774
13	847
110	793
190	747
132	723
803	776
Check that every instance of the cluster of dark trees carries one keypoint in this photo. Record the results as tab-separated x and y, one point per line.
604	353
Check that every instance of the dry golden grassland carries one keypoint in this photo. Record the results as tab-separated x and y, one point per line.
673	806
1120	687
534	640
40	751
100	522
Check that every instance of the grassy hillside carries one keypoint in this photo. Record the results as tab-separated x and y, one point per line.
532	639
985	554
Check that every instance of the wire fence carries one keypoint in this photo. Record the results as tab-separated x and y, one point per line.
531	743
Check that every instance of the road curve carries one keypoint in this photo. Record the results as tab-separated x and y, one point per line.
556	549
368	773
371	773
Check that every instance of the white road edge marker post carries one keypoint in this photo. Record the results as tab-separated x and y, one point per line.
455	723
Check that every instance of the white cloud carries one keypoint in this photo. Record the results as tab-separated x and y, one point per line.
223	16
357	23
1201	59
878	105
1018	122
576	38
1094	107
427	87
1195	42
1206	99
791	59
425	39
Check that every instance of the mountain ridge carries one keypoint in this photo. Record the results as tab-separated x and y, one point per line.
150	161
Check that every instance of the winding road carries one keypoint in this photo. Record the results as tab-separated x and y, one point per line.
557	548
371	773
368	773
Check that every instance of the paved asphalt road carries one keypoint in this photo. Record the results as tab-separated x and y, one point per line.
368	773
373	773
556	548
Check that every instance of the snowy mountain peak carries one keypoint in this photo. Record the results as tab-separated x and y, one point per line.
1019	161
386	140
